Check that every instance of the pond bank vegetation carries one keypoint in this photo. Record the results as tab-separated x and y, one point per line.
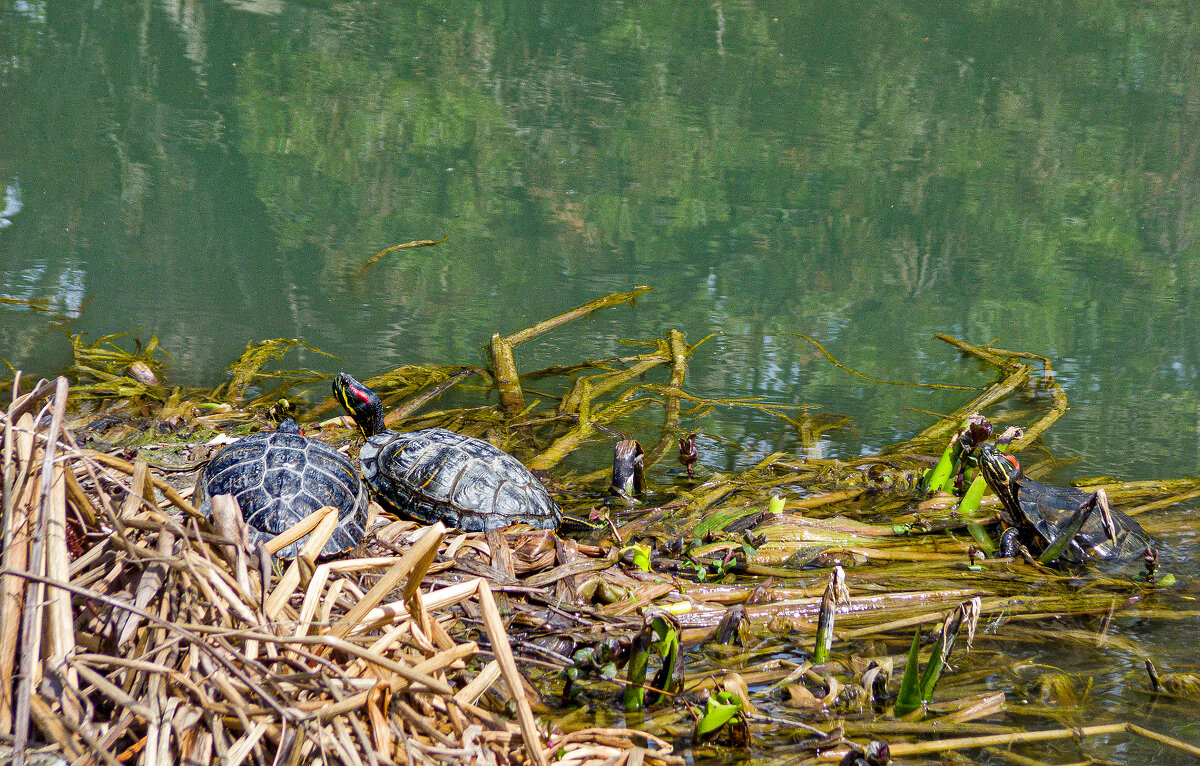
803	608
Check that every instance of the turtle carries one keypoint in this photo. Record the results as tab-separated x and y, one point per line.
439	475
280	477
1060	521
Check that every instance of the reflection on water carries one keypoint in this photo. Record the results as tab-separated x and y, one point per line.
869	175
12	203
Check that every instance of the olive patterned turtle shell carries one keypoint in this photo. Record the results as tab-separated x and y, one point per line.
464	482
279	478
1037	509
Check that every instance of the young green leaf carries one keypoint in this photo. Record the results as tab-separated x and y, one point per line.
908	698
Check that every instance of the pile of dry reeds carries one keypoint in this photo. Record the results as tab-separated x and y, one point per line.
131	631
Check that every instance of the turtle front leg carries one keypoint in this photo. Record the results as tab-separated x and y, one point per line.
1066	531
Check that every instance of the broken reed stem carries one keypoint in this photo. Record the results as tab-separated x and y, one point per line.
327	518
17	535
31	623
1017	375
571	440
22	403
60	625
297	530
1163	739
402	412
835	593
504	369
151	582
1057	409
679	351
502	648
605	382
546	325
902	749
417	558
367	264
500	350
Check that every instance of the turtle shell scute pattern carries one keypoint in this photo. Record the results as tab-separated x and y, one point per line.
1045	507
278	479
464	482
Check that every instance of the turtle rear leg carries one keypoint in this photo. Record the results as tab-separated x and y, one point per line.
1066	531
1009	542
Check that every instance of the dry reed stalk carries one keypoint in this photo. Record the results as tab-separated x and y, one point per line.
152	581
246	743
59	628
902	749
34	608
17	536
480	684
398	610
62	731
297	530
312	596
230	524
508	666
327	519
405	675
417	559
325	613
381	646
593	742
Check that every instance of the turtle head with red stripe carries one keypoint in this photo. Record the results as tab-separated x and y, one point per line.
363	404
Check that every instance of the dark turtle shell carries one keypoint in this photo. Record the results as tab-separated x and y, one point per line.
438	475
1035	510
279	478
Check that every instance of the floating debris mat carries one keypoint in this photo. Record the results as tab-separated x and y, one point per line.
804	608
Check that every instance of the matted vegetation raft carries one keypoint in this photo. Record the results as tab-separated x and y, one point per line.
803	609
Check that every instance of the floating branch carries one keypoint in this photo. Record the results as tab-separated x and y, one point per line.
374	259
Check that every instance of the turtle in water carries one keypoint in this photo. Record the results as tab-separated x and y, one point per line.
438	475
1060	522
279	478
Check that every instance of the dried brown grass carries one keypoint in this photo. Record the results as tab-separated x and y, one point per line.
134	631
